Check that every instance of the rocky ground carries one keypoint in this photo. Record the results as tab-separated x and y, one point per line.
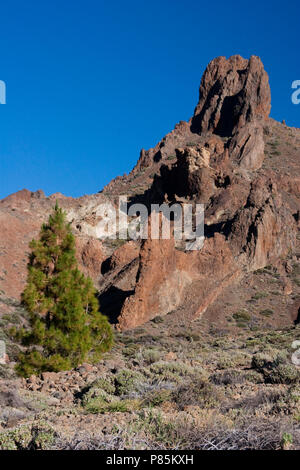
166	385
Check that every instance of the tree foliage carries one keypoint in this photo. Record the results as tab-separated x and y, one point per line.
66	327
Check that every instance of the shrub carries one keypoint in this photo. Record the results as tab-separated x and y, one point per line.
158	397
170	371
126	381
100	405
289	404
191	144
131	350
150	356
266	312
241	316
28	437
258	296
100	398
225	362
158	429
106	384
275	370
199	392
228	377
93	394
283	374
286	441
65	324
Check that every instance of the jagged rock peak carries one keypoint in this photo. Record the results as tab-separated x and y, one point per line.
234	102
233	92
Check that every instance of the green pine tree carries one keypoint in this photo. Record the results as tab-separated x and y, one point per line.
66	327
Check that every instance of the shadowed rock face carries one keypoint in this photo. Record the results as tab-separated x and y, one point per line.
235	100
218	159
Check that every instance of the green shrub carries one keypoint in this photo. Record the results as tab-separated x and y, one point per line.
199	392
151	355
289	404
191	144
267	312
276	369
228	377
131	350
105	384
259	295
158	397
100	405
286	440
94	394
284	374
36	436
126	381
158	429
241	316
170	371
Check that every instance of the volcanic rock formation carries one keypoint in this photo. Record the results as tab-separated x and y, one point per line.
219	158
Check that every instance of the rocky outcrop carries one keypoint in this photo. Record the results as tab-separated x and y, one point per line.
264	230
168	278
248	224
233	93
121	257
21	216
235	100
165	147
90	255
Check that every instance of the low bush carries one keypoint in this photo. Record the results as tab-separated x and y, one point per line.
276	370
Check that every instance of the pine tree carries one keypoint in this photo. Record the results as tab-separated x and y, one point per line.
66	327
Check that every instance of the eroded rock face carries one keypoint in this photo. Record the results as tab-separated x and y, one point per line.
168	277
121	257
247	147
21	217
233	92
264	230
90	255
193	174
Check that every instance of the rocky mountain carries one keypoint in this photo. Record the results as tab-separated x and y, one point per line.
230	156
204	339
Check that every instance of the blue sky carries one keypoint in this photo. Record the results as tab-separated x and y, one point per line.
89	83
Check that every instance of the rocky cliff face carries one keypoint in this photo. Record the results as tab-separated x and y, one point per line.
233	93
230	156
248	224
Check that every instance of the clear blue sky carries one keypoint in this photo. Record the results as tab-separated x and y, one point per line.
89	83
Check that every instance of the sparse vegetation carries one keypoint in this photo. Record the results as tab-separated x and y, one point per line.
242	316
